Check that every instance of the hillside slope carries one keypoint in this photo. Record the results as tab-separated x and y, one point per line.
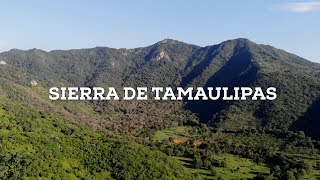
238	62
38	140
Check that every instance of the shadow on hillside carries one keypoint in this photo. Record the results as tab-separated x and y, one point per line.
237	72
310	121
187	163
199	68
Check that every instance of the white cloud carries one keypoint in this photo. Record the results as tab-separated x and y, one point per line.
3	46
300	7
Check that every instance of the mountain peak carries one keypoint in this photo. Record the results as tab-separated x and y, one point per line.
240	41
168	41
172	42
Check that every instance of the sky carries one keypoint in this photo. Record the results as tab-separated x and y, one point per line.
59	24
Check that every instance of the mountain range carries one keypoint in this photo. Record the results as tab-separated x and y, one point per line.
171	63
89	134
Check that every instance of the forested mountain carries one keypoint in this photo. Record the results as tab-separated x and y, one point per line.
171	63
83	129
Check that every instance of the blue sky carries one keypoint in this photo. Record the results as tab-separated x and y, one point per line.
290	25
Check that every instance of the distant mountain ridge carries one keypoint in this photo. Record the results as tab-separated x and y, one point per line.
238	62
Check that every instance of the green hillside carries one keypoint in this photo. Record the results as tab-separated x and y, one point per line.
238	62
44	139
42	144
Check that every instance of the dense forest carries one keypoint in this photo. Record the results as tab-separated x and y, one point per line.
150	139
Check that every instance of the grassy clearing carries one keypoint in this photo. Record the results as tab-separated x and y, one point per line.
237	167
313	161
178	132
187	162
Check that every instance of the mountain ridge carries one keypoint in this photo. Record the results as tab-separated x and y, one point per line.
171	41
159	139
171	63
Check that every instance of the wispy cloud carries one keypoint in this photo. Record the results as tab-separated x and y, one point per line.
300	7
3	46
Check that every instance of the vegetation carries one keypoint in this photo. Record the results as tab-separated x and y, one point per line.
37	144
159	139
248	154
